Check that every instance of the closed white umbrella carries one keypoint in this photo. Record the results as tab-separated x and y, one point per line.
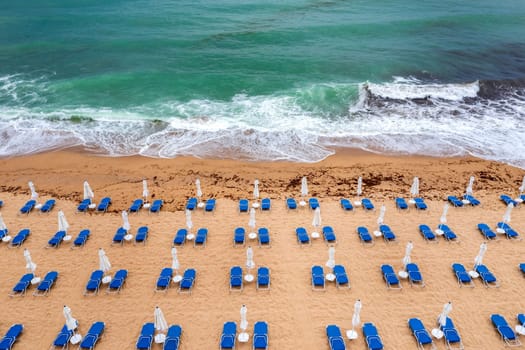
252	222
414	190
88	192
359	186
145	191
356	319
443	218
198	188
2	223
506	216
104	263
256	189
304	187
408	251
63	225
478	260
71	323
316	221
469	190
34	195
381	217
175	264
522	187
331	257
159	321
189	223
249	258
125	221
244	319
442	319
30	265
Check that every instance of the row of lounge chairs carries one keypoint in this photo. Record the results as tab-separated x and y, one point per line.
229	336
43	288
209	205
263	236
414	275
319	279
337	342
509	200
115	286
330	238
262	281
199	240
165	280
147	332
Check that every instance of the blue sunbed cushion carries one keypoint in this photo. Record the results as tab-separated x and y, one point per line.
156	206
419	331
389	274
238	235
48	205
387	232
372	337
236	277
48	281
91	338
210	205
291	203
165	277
191	203
172	340
188	278
367	204
180	236
266	204
10	337
260	335
243	205
63	337
146	336
263	276
264	235
142	234
364	235
23	283
229	332
401	203
335	338
328	233
346	204
340	274
455	201
317	276
119	279
104	204
485	274
200	237
461	273
503	327
413	272
302	235
94	280
450	331
313	203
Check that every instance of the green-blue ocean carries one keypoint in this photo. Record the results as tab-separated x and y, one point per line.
263	80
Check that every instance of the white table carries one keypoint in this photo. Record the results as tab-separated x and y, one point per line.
351	334
500	230
160	338
147	205
177	278
302	203
255	205
252	235
437	333
465	201
249	278
67	238
403	274
315	235
243	337
128	237
357	203
473	274
440	232
36	280
190	236
106	279
75	339
330	277
6	238
92	206
200	205
377	233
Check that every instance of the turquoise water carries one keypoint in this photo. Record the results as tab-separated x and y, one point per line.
262	79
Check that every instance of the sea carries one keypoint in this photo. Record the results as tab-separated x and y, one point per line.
272	80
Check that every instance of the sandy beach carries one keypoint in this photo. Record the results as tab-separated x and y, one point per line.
297	316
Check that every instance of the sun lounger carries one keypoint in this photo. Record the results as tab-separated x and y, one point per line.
180	237
372	338
451	335
243	205
448	234
317	278
21	286
93	283
3	233
201	237
172	340
145	338
510	233
47	206
84	205
210	205
264	237
6	343
346	204
118	238
506	332
420	204
266	204
521	319
156	206
104	204
164	280
291	203
142	235
390	277
364	235
414	275
401	203
302	236
188	280
117	282
313	203
427	234
191	204
421	334
335	339
136	205
236	279
92	336
487	277
341	278
367	204
472	200
388	234
28	207
487	232
228	336
62	339
239	235
260	335
55	241
329	235
81	239
508	200
455	201
44	287
464	279
263	278
20	238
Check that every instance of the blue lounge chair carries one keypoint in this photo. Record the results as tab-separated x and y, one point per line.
414	275
210	205
201	237
3	233
81	239
93	283
236	279
472	200
329	235
263	278
506	332
266	204
317	278
20	238
228	336
451	335
291	204
92	336
104	204
142	235
118	238
6	343
188	280
28	207
388	234
260	335
243	205
364	235
62	339
455	201
313	203
239	236
156	206
145	338
264	236
372	338
346	204
191	204
44	287
488	278
367	204
521	319
55	241
390	277
136	205
448	234
302	236
522	268
464	279
341	278
117	282
164	280
335	339
84	205
47	206
487	232
427	234
510	233
180	237
172	340
401	204
508	200
21	286
420	204
420	333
